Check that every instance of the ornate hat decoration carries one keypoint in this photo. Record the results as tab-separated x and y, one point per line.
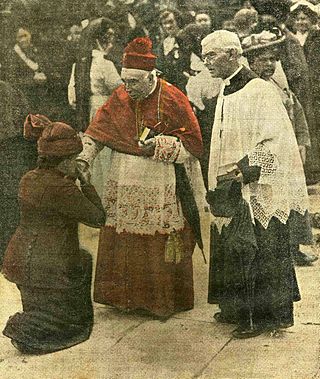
265	39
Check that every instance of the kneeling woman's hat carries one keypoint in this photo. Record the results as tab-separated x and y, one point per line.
55	139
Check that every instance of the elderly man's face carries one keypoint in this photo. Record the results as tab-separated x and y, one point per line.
140	88
218	63
264	65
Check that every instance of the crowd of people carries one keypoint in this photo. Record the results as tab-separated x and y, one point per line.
158	106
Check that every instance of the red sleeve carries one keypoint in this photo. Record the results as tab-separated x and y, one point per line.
114	124
103	128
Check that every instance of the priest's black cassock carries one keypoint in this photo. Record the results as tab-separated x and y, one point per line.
252	275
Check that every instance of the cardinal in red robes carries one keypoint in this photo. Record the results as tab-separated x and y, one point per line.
145	248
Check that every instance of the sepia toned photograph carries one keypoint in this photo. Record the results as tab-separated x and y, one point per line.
160	189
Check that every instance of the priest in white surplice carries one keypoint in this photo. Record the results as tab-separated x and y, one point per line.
257	193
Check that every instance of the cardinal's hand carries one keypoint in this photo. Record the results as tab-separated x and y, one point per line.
148	146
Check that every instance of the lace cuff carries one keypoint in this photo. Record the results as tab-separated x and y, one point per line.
167	149
91	149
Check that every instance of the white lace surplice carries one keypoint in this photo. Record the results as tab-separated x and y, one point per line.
140	196
254	122
140	192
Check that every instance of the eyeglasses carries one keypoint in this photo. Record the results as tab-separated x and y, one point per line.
212	55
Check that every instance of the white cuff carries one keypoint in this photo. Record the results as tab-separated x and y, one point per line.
91	149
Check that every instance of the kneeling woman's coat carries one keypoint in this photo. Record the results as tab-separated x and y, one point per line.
44	260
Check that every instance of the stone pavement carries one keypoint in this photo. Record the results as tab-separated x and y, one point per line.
189	345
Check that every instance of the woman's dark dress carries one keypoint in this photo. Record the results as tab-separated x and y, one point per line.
44	260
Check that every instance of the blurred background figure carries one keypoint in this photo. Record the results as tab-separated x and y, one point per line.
58	57
171	60
93	79
26	69
146	13
245	21
203	19
128	24
303	20
293	61
73	39
229	25
247	4
200	85
75	33
189	41
94	76
17	157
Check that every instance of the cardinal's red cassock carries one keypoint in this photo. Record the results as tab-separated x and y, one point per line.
145	249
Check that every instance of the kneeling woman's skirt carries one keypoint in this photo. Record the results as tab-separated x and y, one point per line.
53	319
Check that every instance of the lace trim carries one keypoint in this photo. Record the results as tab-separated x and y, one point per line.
264	208
139	210
277	191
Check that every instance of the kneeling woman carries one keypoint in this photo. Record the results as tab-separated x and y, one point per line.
43	257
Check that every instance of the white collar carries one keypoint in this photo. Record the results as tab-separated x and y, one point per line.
154	85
